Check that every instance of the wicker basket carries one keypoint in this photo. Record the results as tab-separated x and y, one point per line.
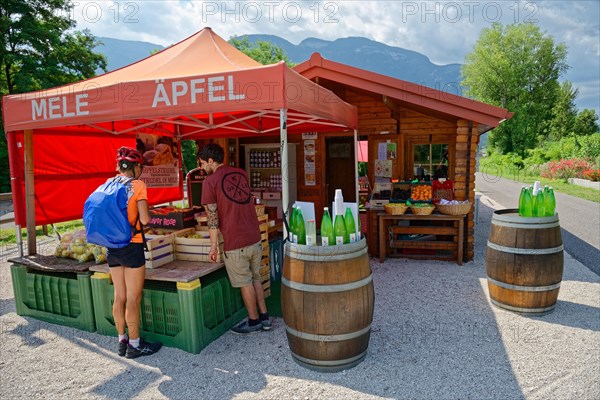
395	209
454	209
422	210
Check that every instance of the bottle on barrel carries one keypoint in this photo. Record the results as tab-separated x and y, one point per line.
339	230
350	225
311	233
539	204
300	227
526	203
327	236
550	202
292	222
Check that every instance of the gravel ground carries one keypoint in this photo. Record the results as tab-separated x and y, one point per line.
435	335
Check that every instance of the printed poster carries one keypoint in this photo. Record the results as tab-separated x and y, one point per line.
310	177
161	161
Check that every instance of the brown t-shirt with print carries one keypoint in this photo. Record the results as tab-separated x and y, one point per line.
228	187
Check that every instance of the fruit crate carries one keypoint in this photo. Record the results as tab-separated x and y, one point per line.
265	262
185	315
173	218
160	250
421	186
63	298
194	248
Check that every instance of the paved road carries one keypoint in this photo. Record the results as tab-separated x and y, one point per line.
579	219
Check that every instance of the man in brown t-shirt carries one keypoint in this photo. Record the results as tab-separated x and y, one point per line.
229	208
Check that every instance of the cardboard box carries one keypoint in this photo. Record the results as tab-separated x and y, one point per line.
173	218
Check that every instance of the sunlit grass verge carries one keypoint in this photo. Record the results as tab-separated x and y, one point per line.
10	235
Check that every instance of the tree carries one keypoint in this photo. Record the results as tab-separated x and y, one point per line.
39	51
586	123
564	112
261	51
516	67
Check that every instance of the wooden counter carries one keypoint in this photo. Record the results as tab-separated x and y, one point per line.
435	225
175	271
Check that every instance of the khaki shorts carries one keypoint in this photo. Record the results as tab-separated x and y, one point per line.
243	265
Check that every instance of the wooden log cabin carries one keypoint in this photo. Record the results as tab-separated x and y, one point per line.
415	118
411	116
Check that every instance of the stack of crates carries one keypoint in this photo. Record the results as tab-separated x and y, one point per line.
63	298
265	265
185	315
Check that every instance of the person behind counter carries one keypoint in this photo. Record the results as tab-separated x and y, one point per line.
128	264
229	208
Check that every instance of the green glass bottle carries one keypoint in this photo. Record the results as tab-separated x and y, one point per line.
350	225
300	226
528	204
292	222
550	203
339	230
327	236
539	204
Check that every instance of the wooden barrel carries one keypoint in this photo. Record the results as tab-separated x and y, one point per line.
327	300
524	262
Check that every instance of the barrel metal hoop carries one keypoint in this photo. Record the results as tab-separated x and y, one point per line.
325	254
525	225
522	309
343	287
327	338
333	363
524	288
514	250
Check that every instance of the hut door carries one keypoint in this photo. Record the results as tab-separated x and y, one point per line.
340	169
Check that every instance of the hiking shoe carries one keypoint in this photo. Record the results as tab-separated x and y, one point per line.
266	324
123	347
244	328
145	349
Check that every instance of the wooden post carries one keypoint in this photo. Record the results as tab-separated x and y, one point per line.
29	193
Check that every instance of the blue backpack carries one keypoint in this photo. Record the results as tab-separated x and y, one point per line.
105	214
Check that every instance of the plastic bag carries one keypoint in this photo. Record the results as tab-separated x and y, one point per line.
73	245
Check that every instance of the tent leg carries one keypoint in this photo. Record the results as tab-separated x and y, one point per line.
29	193
285	189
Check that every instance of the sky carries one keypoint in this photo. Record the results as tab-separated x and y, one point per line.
444	31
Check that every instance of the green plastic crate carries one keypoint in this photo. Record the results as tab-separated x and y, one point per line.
185	315
63	298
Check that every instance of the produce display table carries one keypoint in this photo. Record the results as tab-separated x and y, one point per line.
185	304
56	290
450	228
175	271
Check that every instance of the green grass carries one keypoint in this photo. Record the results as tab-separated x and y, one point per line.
10	235
558	185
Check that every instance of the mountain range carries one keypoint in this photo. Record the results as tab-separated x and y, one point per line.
359	52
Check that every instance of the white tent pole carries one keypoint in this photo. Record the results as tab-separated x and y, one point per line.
285	189
356	164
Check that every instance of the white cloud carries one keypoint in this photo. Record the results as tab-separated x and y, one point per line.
444	31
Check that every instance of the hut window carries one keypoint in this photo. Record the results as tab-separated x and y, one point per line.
430	161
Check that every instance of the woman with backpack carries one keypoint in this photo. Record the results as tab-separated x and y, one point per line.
127	264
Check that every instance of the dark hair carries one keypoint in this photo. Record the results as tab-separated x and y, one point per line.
211	150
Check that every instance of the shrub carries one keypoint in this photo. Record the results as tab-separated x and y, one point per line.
592	174
565	169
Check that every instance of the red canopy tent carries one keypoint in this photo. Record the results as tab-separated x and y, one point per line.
62	141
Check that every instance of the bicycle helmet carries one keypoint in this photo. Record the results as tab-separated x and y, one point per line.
127	156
